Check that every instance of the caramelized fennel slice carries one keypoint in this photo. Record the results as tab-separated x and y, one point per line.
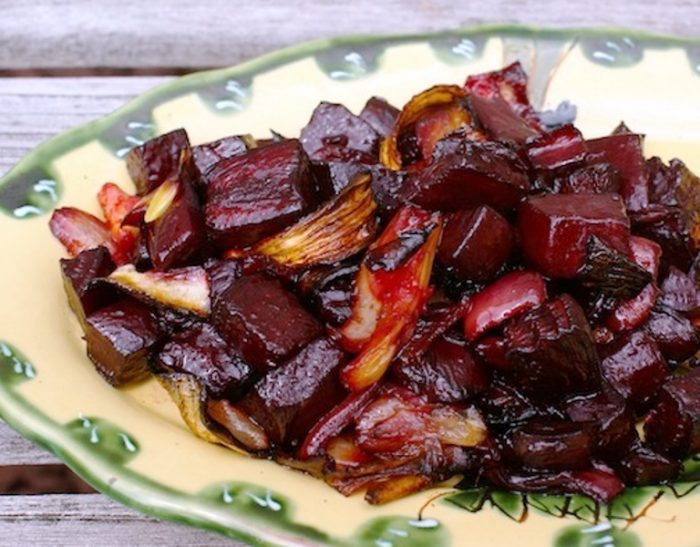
392	302
186	289
341	228
190	398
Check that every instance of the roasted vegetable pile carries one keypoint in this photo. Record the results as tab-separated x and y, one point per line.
400	297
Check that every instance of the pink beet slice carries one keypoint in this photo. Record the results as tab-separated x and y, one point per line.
157	160
560	147
477	174
476	243
506	297
289	400
555	229
257	194
624	151
635	367
119	339
673	427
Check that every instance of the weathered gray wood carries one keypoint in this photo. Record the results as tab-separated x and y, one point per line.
183	33
16	450
33	109
89	520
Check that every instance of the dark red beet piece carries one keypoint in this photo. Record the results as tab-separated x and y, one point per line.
221	274
263	321
598	178
381	115
437	318
387	187
502	405
502	123
330	292
641	466
332	176
510	85
257	194
552	351
554	229
157	160
446	373
674	333
680	293
476	243
508	296
202	353
635	367
292	398
666	226
602	486
549	444
479	174
179	234
624	151
492	350
334	126
119	339
673	426
560	147
613	420
663	181
209	154
85	297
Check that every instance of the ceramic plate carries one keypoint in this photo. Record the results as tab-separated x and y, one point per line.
131	443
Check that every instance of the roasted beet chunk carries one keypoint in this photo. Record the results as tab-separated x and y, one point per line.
257	194
292	398
85	297
549	444
387	187
330	292
476	243
119	338
178	235
202	353
598	178
382	116
446	373
634	366
157	160
209	154
560	147
641	466
555	229
478	174
502	405
221	274
680	292
624	152
263	321
551	350
673	426
334	126
499	100
666	226
608	413
674	334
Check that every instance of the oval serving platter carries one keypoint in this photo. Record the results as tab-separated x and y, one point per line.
132	445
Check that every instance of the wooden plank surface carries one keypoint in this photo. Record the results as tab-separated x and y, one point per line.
16	450
183	33
33	109
89	520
